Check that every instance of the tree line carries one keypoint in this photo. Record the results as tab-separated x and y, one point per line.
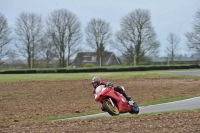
60	36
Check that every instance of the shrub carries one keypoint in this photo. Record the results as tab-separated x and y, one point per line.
125	64
88	65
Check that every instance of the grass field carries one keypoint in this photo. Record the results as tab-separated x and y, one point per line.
74	76
30	101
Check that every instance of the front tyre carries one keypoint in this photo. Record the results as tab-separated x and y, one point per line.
110	109
135	109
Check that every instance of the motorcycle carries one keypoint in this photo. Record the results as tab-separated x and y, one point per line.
113	102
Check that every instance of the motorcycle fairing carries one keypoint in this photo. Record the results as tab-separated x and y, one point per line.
103	93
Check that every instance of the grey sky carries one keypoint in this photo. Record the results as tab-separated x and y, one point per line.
167	15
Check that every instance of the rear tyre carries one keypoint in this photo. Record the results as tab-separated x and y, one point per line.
135	109
110	109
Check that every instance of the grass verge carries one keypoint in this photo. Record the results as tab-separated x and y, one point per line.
76	76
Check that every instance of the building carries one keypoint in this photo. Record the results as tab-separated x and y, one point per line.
83	58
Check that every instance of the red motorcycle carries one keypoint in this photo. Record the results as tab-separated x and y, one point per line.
113	102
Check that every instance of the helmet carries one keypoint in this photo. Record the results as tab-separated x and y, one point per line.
96	81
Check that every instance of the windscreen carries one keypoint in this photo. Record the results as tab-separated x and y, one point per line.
99	88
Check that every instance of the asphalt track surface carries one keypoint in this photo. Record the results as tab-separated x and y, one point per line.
188	104
190	73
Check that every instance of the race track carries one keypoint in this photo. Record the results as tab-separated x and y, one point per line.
188	104
189	73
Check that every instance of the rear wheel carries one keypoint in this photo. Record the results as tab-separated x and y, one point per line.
110	109
135	109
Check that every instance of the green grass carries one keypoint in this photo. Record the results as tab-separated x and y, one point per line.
164	112
173	111
74	76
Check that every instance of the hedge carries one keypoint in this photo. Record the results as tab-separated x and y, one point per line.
100	69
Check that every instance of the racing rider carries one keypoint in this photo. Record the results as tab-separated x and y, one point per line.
96	81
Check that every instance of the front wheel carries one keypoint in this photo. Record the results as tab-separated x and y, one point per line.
135	109
110	109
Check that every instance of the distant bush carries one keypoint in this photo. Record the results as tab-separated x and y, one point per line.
124	64
89	65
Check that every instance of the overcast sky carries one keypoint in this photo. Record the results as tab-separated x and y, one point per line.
167	15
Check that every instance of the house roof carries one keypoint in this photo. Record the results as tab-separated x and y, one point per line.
106	57
93	54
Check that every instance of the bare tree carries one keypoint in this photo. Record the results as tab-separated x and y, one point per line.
47	50
28	30
65	31
173	45
14	61
5	38
137	36
193	38
98	34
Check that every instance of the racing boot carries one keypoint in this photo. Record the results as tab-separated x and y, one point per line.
128	98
